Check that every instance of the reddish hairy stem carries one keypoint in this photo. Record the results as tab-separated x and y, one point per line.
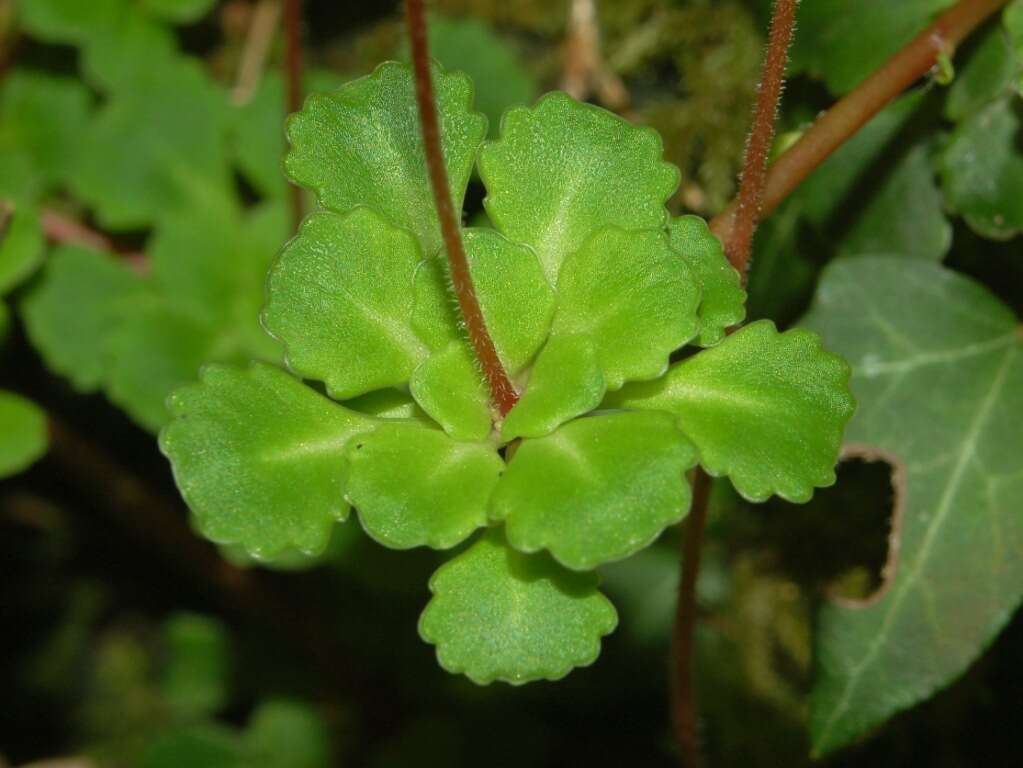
758	146
502	392
293	64
854	110
683	688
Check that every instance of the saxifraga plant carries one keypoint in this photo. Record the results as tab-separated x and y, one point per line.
565	445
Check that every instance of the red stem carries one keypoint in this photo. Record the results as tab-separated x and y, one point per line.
854	110
502	392
758	147
683	688
293	64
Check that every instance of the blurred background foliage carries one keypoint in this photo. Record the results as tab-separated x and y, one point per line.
129	642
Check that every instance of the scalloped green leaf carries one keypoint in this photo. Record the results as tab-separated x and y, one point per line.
340	300
516	300
204	744
155	147
765	408
450	388
843	41
633	296
24	433
414	486
982	170
938	371
988	73
70	313
722	301
565	382
361	145
596	490
5	320
21	247
287	734
42	117
552	181
122	57
259	457
498	614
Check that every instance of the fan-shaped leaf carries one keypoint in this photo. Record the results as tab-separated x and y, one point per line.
361	145
415	486
497	614
259	457
450	388
552	181
597	489
764	408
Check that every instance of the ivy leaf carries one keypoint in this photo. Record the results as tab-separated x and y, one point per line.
551	181
23	433
195	677
516	300
71	312
982	170
843	41
596	490
340	298
497	614
415	486
565	382
633	296
766	409
722	302
259	458
449	387
938	372
21	247
155	147
361	145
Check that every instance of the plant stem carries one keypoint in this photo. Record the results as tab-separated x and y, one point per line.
502	392
59	228
758	146
293	64
854	110
262	26
683	688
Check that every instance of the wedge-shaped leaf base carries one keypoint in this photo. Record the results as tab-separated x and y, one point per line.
450	388
597	489
498	614
414	486
259	457
765	408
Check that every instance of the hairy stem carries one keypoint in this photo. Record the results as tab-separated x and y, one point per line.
852	112
502	392
758	146
683	688
293	65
